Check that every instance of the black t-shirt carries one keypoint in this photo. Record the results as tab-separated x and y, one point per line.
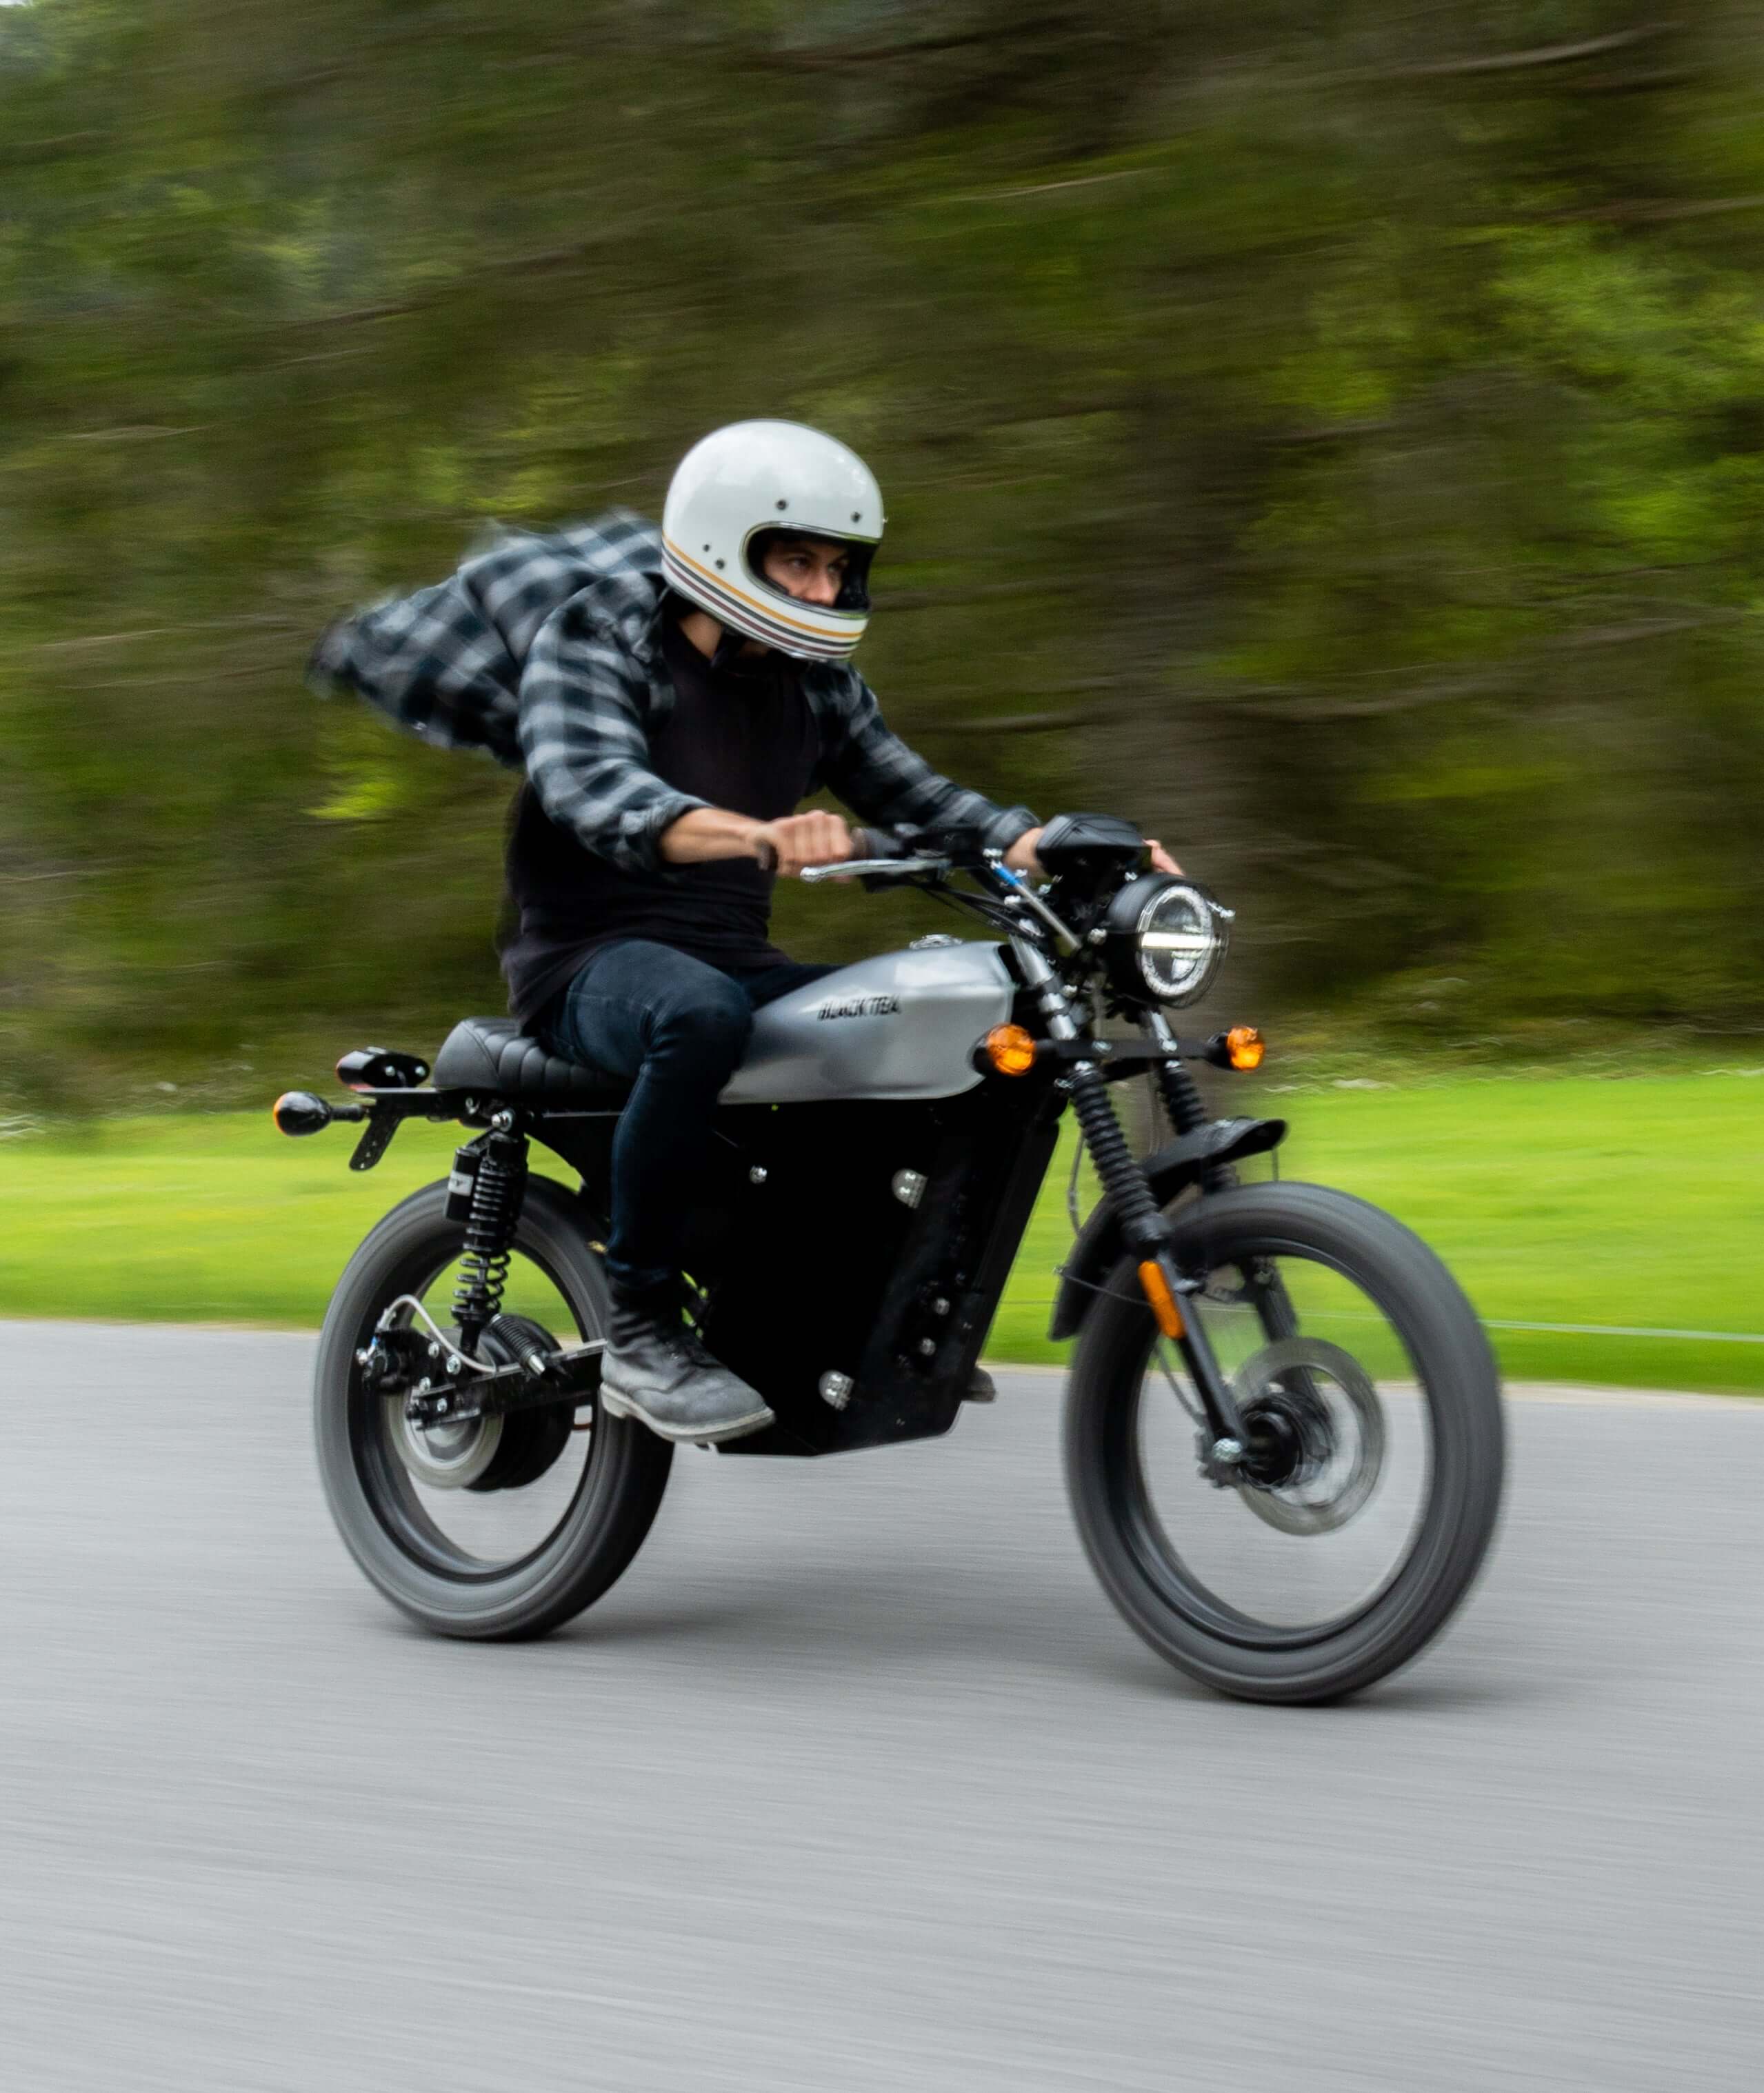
742	737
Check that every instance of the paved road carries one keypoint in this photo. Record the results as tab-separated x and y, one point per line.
854	1783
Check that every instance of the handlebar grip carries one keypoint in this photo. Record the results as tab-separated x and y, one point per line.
876	844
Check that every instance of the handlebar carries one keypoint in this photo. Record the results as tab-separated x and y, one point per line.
879	856
873	868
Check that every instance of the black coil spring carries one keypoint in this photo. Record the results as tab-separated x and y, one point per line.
495	1213
1123	1181
1188	1109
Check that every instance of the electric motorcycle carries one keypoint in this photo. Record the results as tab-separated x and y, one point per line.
1283	1434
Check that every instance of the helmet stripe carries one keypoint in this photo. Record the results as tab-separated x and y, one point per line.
761	620
722	584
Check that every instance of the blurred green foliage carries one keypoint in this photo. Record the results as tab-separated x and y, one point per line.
1334	437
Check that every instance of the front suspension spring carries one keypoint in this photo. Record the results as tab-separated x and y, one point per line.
496	1214
1187	1108
1123	1181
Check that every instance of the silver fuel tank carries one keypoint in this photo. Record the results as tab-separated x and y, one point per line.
903	1025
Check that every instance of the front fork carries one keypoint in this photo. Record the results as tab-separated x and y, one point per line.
1187	1110
1144	1230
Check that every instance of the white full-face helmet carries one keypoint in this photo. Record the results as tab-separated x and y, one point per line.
754	479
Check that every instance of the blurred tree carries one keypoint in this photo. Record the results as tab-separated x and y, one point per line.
1332	439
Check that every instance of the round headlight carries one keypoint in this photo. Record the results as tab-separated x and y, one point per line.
1166	938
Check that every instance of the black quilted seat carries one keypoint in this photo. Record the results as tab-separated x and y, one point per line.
493	1054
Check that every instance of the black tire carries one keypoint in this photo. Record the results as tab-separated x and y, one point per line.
1133	1556
622	1482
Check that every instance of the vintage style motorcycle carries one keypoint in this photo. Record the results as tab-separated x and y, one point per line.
1283	1433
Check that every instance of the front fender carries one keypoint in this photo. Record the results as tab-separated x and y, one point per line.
1098	1245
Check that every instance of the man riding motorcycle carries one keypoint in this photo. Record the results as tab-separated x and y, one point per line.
671	712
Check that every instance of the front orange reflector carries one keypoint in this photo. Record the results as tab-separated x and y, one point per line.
1010	1049
1245	1047
1163	1302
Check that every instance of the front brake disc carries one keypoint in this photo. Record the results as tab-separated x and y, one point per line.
1341	1442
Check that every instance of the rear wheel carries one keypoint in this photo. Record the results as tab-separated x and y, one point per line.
504	1526
1372	1462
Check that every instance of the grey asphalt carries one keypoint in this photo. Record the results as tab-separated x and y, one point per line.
855	1781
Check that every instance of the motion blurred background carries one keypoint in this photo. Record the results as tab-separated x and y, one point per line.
1331	436
1332	433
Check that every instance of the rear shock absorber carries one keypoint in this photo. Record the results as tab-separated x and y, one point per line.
498	1187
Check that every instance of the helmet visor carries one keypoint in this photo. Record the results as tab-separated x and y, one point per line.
854	587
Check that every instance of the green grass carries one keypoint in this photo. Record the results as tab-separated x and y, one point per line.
1573	1199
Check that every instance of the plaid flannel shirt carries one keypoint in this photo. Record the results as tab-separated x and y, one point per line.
545	651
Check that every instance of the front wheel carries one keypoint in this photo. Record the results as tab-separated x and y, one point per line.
1373	1448
508	1526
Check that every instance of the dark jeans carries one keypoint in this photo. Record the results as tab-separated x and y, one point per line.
676	1030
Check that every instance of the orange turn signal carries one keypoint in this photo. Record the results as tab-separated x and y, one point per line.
1163	1302
1245	1047
1010	1049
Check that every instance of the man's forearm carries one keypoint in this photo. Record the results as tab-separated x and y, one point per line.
788	845
704	834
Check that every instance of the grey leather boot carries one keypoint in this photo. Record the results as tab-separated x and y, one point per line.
655	1369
